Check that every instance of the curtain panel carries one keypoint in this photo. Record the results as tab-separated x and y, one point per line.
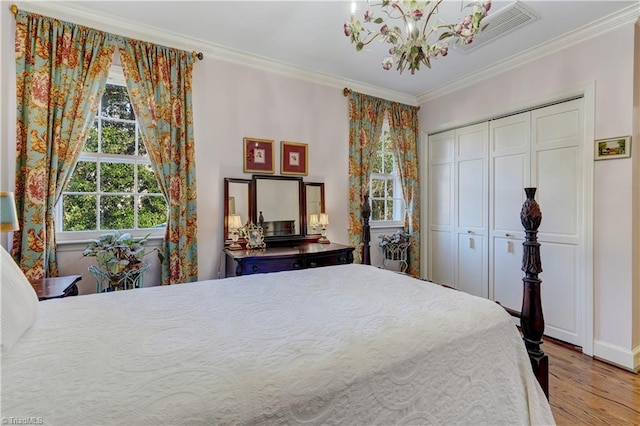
403	124
61	73
366	115
159	83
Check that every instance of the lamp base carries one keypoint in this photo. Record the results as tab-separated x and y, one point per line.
234	246
323	240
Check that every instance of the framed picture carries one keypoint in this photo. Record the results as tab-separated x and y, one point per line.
613	148
294	158
258	155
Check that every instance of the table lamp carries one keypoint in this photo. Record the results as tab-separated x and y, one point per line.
8	213
313	221
323	222
235	223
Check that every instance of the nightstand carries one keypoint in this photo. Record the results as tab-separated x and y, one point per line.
53	288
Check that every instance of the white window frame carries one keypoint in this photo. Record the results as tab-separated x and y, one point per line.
116	77
398	205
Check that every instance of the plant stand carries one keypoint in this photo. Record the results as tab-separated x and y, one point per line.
397	253
131	278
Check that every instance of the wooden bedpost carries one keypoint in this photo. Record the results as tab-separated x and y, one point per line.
365	211
532	319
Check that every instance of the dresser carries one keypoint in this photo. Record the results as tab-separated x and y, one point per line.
274	259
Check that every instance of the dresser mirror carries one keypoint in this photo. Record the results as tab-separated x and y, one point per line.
237	199
314	196
278	206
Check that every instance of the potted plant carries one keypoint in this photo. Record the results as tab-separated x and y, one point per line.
117	253
394	247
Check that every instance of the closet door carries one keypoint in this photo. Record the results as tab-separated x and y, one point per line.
440	265
471	208
509	174
557	170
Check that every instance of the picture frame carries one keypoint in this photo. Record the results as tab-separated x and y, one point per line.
254	236
258	155
294	158
619	147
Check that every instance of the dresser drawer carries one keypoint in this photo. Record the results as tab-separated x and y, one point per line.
317	261
262	266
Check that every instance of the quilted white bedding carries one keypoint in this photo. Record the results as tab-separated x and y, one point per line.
347	344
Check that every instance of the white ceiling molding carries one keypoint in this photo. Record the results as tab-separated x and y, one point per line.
604	25
66	11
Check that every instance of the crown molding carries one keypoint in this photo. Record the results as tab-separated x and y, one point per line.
609	23
67	11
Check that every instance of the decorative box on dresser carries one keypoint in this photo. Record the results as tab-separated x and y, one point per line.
274	259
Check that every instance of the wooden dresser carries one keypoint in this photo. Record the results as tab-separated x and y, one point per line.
274	259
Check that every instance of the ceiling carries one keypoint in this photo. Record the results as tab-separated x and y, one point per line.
308	35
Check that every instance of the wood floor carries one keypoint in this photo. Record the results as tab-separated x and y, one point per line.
585	391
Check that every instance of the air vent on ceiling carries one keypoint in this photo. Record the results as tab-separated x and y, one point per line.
505	20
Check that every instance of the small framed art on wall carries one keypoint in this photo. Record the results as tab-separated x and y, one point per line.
294	158
613	148
258	155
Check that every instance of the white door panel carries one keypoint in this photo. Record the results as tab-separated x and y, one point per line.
471	265
508	180
440	202
472	208
506	274
441	261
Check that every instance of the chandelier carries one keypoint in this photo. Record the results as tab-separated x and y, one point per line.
405	25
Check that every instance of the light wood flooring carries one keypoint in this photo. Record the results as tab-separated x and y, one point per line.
585	391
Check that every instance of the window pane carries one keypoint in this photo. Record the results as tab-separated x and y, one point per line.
388	147
147	182
377	209
79	212
152	212
91	144
388	163
389	188
116	211
389	212
84	178
116	177
377	164
118	138
116	104
377	188
142	150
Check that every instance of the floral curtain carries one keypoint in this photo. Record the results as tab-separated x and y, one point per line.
403	124
366	115
61	72
159	83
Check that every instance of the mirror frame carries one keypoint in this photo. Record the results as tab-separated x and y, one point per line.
275	240
227	181
322	206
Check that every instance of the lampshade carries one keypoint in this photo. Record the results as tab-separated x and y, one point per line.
313	219
324	219
235	221
8	214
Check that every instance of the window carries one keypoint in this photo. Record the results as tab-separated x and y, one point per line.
387	204
113	185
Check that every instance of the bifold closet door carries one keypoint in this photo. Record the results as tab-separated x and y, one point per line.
471	208
440	245
557	136
510	173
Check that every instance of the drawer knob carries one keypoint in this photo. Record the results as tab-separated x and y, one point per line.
255	268
313	264
296	265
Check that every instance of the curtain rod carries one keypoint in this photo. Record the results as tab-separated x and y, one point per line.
196	55
346	91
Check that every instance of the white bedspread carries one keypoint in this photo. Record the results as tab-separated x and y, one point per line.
347	344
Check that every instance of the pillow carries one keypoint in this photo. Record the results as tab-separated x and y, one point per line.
19	302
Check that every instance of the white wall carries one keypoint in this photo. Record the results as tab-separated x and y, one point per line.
606	61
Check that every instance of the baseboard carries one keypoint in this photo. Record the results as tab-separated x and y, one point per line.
624	358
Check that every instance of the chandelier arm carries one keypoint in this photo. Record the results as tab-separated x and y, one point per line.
431	12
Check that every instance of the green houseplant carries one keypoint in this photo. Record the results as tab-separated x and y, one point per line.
116	252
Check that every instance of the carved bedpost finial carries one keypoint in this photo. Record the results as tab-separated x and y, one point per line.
532	319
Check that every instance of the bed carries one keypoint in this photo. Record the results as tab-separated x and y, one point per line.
349	344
